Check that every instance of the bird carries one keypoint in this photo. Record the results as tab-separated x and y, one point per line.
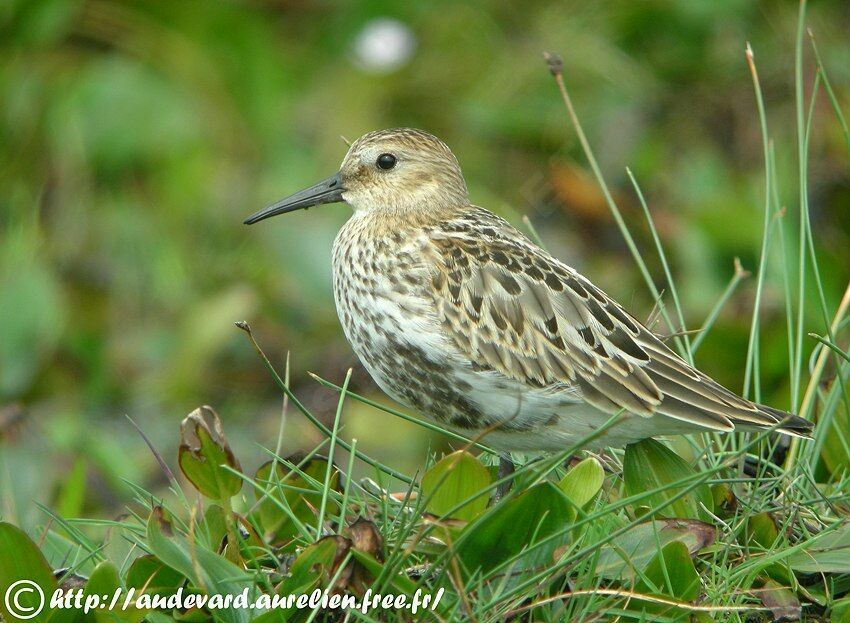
457	314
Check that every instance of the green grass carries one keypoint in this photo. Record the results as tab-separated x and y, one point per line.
726	528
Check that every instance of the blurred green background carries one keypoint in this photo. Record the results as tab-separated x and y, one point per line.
136	136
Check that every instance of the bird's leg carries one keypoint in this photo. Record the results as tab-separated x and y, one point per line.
506	468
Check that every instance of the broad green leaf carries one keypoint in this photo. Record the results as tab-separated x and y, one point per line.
840	611
275	615
761	530
650	465
61	551
214	527
723	499
104	582
204	451
672	572
26	579
583	481
783	603
314	567
287	488
634	549
193	615
514	526
205	569
148	573
829	553
456	478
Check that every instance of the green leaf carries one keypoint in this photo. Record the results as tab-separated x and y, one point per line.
204	451
214	527
583	481
287	488
61	551
650	465
672	572
761	530
836	440
193	615
632	550
840	612
104	582
829	553
25	572
398	581
149	573
205	569
275	615
313	565
515	526
723	499
782	602
458	477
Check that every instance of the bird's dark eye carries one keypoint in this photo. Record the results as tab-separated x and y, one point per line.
386	161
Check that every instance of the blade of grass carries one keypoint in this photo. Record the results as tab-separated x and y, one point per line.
816	265
814	379
346	492
785	259
688	484
752	360
802	163
653	599
556	69
265	492
283	409
806	239
533	232
737	277
822	78
831	346
75	535
420	422
661	255
826	418
830	92
330	467
169	475
312	418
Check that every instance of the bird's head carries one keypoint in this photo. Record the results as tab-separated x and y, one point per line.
399	171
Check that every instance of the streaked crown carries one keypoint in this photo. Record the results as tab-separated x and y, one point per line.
401	170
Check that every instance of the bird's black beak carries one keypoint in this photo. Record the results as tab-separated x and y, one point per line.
326	191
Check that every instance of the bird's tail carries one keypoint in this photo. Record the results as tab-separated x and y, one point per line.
789	423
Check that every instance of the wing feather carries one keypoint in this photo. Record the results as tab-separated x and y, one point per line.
510	306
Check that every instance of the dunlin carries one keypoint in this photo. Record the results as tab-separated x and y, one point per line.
458	315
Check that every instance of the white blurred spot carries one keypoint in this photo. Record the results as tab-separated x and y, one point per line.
384	45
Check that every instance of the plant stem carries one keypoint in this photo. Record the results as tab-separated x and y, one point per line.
556	67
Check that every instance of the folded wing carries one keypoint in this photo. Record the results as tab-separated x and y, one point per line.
511	307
